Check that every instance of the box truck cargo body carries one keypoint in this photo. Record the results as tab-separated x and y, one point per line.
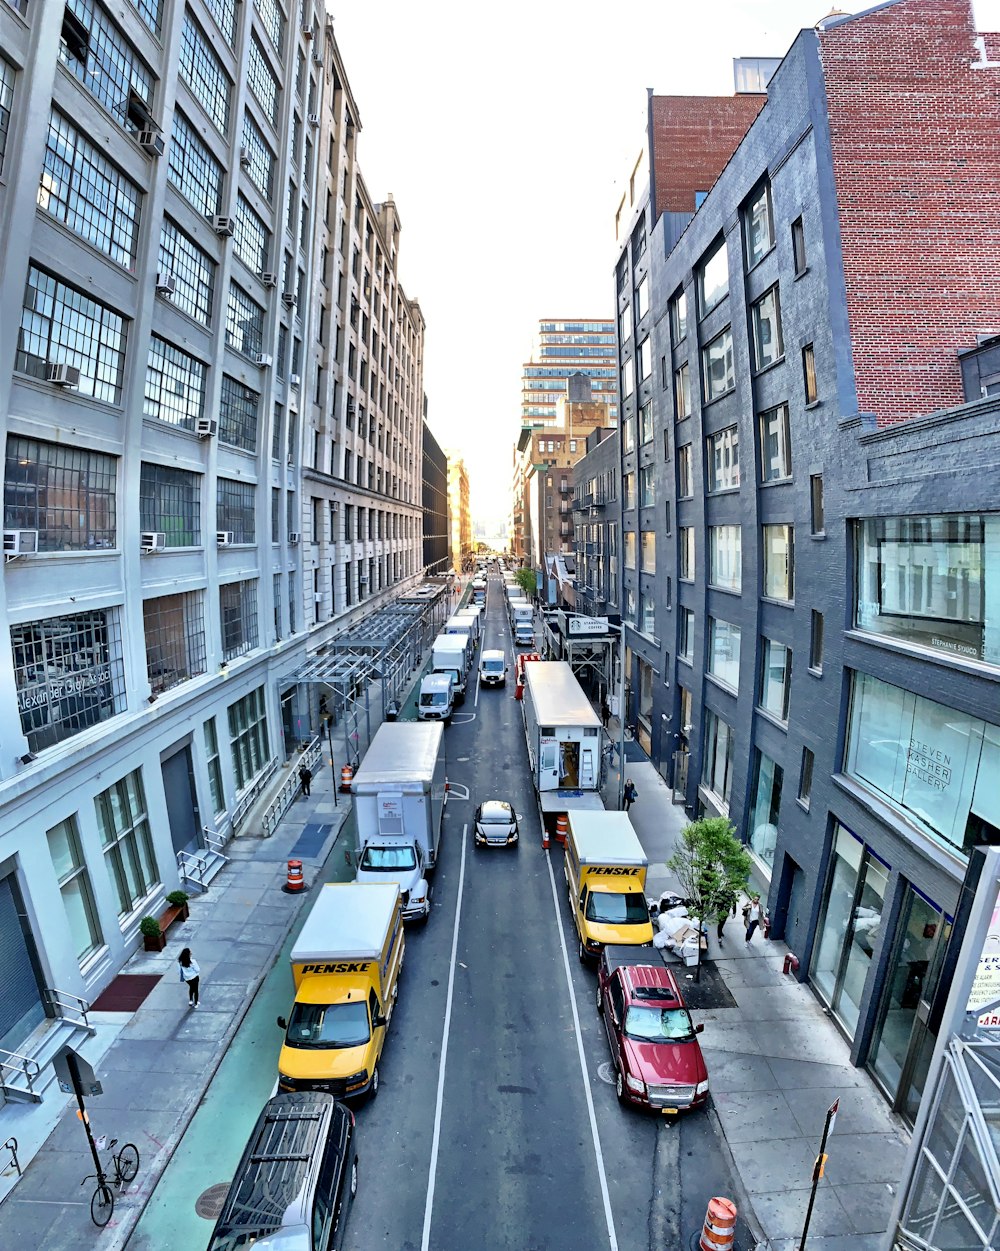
450	654
399	789
605	868
562	729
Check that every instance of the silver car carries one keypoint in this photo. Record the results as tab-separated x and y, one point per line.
496	824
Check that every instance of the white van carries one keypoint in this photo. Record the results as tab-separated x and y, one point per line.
493	668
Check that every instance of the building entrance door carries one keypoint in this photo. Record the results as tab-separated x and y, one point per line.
182	800
22	1005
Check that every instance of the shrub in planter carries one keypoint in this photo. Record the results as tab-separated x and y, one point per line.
153	938
178	897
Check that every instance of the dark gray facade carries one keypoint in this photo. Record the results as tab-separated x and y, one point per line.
780	669
596	523
435	504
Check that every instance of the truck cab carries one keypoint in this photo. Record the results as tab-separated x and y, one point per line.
493	668
436	701
389	860
524	633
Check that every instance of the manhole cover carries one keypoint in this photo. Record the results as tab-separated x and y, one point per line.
606	1072
210	1201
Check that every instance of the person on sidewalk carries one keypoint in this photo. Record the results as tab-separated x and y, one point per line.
605	713
630	793
305	777
190	973
751	914
725	904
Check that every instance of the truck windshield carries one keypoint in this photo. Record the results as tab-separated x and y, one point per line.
492	666
324	1026
648	1024
608	909
388	859
433	699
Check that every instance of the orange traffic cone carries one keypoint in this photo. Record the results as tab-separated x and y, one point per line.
719	1231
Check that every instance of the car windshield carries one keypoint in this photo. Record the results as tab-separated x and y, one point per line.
607	909
649	1024
324	1026
433	699
388	859
493	666
494	813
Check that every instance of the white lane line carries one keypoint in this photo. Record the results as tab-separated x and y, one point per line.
425	1241
608	1214
478	677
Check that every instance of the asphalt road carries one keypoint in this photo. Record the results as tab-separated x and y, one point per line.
494	1127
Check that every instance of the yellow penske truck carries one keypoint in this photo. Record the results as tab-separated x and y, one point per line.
605	870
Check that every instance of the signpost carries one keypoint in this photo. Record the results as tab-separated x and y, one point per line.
74	1074
819	1167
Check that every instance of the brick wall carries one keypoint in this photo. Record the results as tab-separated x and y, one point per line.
693	139
915	140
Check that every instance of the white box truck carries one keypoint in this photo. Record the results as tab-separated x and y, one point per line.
461	625
522	623
450	654
399	798
473	616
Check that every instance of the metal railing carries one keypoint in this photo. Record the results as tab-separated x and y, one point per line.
192	867
12	1062
68	1006
252	793
285	797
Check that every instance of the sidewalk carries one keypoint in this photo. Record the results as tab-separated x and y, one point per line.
776	1063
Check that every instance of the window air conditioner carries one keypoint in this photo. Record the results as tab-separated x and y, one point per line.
293	537
221	225
313	119
362	578
205	427
351	406
269	279
20	543
294	380
317	56
151	141
318	600
245	160
224	538
263	359
63	375
307	31
288	299
153	541
165	284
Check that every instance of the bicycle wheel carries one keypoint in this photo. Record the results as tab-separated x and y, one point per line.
128	1162
102	1204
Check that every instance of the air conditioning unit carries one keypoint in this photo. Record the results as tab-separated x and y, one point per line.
269	279
165	284
153	541
307	31
245	160
317	56
151	141
264	359
20	543
63	375
313	119
351	407
362	577
294	380
294	537
205	427
318	600
221	225
224	538
288	299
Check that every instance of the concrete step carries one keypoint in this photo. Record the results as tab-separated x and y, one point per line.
43	1045
197	870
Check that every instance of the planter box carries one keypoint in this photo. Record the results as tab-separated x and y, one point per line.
154	942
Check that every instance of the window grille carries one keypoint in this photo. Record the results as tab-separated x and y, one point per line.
170	501
175	385
235	509
174	629
238	610
65	493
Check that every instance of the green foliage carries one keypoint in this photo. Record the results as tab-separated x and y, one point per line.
527	581
149	927
711	864
178	897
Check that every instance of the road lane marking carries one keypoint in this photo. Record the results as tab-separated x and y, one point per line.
425	1240
478	677
602	1174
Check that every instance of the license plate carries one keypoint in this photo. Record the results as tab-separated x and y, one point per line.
669	1111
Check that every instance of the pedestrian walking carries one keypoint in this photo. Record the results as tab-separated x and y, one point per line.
305	777
605	713
190	973
751	915
630	794
725	903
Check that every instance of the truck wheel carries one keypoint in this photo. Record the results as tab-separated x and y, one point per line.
373	1088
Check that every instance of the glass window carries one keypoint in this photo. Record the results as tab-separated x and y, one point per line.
775	678
631	609
713	278
628	381
82	189
924	580
62	326
96	52
625	324
629	549
642	298
125	837
682	392
192	168
238	414
628	490
799	247
685	472
779	562
935	765
174	630
262	81
193	272
65	493
678	318
244	322
224	12
214	767
816	641
648	541
235	503
647	486
723	460
175	385
628	434
274	21
645	425
238	608
775	444
717	366
202	70
767	342
816	511
766	806
724	651
257	158
809	374
170	501
6	104
806	777
725	568
645	359
717	766
251	238
759	225
686	542
685	643
647	614
74	886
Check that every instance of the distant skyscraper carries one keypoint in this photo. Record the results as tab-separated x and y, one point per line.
563	348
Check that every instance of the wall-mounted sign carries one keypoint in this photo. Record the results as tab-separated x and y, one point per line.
587	625
984	997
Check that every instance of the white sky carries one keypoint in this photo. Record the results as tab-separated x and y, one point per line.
504	133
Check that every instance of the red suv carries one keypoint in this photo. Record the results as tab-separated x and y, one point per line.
654	1043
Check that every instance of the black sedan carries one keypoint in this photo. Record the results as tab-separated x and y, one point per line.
496	824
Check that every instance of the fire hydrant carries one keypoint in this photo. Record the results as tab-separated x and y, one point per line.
791	964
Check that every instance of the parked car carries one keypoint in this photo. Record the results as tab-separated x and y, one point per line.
496	824
654	1043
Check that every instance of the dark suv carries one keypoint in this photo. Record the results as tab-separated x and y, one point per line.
296	1180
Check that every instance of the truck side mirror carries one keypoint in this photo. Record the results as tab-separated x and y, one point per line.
282	1023
699	1029
379	1018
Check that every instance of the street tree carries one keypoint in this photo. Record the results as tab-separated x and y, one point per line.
526	580
712	867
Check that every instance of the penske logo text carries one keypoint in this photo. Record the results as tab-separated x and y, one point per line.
614	870
338	966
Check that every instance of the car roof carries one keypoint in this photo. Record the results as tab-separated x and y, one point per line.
496	808
493	653
652	984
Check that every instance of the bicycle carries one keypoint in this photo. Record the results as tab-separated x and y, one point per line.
124	1167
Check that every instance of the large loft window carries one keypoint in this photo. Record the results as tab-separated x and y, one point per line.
251	237
244	322
248	736
258	158
175	385
170	501
261	80
65	493
128	848
202	70
192	270
238	610
96	52
174	630
235	503
239	408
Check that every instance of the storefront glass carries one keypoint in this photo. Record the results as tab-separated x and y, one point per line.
766	806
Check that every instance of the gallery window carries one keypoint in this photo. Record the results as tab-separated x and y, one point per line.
724	652
174	631
65	493
713	278
717	767
765	808
128	847
75	889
